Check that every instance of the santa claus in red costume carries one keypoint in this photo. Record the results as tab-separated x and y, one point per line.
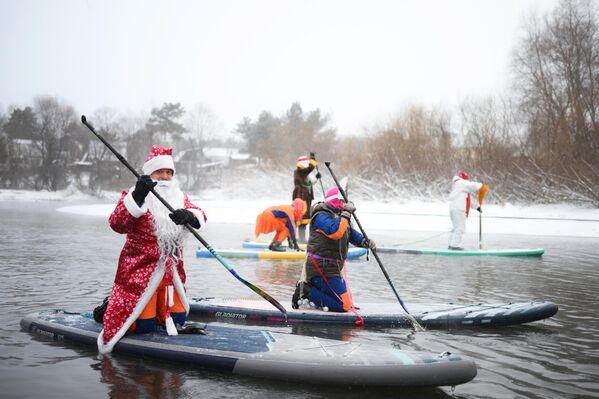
149	287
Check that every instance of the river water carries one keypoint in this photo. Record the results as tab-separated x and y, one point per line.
50	259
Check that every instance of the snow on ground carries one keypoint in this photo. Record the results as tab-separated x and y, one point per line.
70	194
555	220
222	207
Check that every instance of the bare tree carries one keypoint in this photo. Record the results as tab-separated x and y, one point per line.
202	124
56	124
416	142
106	121
557	69
489	138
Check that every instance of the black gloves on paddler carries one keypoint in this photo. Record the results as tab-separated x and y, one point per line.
142	188
182	216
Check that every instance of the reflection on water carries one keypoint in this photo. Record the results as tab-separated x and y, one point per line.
133	380
51	259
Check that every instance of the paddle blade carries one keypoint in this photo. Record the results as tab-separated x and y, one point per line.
254	288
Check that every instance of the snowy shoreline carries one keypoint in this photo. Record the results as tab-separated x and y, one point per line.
550	220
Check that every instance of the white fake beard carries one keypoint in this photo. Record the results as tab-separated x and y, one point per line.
168	234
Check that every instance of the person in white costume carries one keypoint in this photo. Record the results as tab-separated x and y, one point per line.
460	202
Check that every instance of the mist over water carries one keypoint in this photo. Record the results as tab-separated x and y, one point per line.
51	259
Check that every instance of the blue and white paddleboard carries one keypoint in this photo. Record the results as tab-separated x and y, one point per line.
264	245
449	315
353	253
265	354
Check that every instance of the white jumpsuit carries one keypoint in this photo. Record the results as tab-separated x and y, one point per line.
460	189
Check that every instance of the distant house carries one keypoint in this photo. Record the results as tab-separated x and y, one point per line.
104	172
27	151
205	165
81	171
228	156
210	158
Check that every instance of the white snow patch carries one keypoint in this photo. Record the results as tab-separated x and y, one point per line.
242	201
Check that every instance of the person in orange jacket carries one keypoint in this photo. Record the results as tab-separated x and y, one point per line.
281	219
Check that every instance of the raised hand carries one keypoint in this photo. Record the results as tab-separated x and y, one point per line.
350	207
143	186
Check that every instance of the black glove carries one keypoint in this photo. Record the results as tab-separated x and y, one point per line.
100	310
182	216
142	188
350	207
346	214
479	209
368	243
318	175
313	155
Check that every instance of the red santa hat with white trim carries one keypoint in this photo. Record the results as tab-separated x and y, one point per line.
159	158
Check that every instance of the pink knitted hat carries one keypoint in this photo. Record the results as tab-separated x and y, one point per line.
334	197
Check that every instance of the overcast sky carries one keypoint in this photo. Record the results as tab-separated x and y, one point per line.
359	61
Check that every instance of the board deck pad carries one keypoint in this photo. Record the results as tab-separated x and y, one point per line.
266	354
448	315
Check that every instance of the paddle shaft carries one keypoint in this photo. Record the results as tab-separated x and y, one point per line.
193	231
480	230
376	256
324	195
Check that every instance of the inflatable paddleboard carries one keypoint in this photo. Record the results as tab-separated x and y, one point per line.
353	253
265	244
448	315
466	252
265	354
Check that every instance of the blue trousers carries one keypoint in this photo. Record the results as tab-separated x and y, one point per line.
321	295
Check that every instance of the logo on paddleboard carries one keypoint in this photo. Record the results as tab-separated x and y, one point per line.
228	315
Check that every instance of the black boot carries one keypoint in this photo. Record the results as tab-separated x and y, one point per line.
302	291
191	327
276	246
455	248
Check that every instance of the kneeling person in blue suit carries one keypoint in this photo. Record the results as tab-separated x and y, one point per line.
323	282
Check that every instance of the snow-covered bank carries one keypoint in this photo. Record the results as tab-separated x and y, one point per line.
538	220
553	220
70	194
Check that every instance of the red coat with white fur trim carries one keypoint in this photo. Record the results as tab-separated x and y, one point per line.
139	272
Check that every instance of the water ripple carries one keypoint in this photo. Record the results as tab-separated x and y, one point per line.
50	259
